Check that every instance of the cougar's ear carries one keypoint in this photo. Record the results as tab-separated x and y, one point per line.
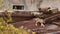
39	8
49	8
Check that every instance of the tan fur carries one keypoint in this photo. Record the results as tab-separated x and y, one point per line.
38	20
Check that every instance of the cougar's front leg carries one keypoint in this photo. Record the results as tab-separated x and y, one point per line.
42	25
36	23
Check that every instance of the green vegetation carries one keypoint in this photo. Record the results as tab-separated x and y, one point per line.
1	4
9	14
6	28
10	29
